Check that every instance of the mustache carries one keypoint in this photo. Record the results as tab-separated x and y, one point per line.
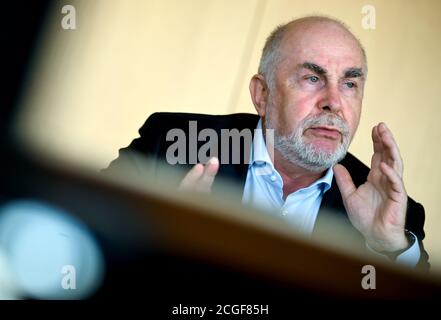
328	119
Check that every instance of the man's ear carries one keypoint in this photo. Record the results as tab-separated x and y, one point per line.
259	93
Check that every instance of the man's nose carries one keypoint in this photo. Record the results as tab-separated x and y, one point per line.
331	99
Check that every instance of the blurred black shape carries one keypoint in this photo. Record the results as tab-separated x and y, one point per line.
21	24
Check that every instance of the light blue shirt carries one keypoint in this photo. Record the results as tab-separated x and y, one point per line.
264	190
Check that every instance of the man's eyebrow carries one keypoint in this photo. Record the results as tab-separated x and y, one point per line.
313	67
353	73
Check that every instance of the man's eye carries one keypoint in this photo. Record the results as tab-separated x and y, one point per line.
350	85
313	79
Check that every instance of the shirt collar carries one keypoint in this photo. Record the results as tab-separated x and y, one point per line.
260	157
259	154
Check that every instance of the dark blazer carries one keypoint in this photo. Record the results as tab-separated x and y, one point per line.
153	143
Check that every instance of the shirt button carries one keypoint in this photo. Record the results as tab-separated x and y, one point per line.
273	178
284	212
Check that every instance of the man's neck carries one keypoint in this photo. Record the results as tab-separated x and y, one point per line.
293	176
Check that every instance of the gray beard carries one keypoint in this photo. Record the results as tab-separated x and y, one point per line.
294	149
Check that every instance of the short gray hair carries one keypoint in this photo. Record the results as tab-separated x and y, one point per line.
270	54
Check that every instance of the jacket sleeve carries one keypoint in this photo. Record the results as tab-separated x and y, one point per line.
415	222
131	160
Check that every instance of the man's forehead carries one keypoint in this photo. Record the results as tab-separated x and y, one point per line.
340	63
334	56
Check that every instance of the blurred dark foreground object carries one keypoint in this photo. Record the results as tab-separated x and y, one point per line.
167	250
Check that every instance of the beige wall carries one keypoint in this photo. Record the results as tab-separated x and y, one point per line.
94	86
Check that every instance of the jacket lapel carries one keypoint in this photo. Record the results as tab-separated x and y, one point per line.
332	217
236	173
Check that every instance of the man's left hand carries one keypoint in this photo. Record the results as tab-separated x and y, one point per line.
377	208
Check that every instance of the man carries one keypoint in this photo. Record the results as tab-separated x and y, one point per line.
309	90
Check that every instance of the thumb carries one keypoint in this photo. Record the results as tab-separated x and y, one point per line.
210	171
344	181
192	177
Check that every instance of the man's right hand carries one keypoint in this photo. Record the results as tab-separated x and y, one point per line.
200	177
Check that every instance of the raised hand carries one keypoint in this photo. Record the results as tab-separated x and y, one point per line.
377	208
200	177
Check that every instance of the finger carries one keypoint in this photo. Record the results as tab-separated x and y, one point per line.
394	179
191	178
344	181
207	178
378	148
376	139
393	156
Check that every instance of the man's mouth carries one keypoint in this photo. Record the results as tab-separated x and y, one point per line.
326	132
